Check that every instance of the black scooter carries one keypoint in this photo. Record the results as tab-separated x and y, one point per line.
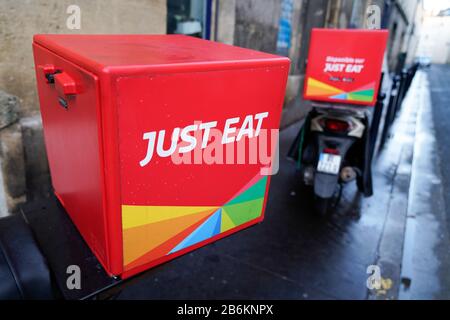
332	149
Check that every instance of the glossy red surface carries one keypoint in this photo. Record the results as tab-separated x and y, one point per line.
147	51
73	148
119	86
345	64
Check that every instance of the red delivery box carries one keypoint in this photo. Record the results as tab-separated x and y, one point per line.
151	140
344	65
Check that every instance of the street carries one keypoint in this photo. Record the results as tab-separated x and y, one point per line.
294	254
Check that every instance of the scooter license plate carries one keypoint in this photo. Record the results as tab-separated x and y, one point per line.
329	163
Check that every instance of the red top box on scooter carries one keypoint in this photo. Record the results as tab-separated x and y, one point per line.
144	136
344	66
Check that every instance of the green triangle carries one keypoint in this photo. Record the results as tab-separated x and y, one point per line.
242	212
358	97
368	92
226	223
257	190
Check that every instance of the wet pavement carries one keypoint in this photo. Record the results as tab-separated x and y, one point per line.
294	254
426	261
439	86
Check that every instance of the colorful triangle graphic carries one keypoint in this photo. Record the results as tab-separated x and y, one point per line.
257	190
165	247
226	224
317	88
141	239
133	216
243	212
365	95
150	232
203	232
218	223
342	96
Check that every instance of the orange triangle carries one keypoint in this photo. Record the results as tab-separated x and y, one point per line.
137	241
311	91
165	248
318	88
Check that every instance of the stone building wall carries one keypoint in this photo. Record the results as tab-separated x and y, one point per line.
23	163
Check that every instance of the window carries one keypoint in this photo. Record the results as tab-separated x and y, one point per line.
189	17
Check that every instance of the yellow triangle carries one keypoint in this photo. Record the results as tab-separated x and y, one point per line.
139	240
133	216
226	223
316	87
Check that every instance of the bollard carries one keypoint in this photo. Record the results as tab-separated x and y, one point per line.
378	111
390	111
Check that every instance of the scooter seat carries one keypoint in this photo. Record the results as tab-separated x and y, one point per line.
24	274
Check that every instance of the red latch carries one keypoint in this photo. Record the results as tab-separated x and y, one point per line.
65	85
47	68
49	71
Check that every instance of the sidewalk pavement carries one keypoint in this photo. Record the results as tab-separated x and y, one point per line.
426	260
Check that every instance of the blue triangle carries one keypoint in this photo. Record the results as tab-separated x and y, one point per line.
218	224
342	96
205	231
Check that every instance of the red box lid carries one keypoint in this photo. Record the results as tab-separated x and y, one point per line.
115	53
